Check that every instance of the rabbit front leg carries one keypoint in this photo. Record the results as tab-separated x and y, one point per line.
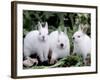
84	59
88	59
45	55
41	57
74	51
53	58
46	52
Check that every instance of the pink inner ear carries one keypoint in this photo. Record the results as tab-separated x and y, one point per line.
39	26
80	27
46	25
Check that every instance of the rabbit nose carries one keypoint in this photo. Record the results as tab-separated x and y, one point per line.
61	44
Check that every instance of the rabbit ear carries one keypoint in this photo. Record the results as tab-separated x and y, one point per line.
59	30
46	25
39	25
83	28
65	30
80	27
86	26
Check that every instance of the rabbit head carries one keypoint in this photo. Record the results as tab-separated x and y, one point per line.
79	35
62	39
43	31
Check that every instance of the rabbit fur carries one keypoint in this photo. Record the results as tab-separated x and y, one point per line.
36	41
82	42
59	45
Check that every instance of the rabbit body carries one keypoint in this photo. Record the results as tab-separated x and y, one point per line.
59	44
83	46
37	42
82	43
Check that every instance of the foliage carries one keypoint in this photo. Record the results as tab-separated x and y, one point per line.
72	60
54	19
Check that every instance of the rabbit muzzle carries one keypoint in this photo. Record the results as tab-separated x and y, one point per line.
61	45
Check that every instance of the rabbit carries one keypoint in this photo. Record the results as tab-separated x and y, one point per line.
36	41
82	42
59	45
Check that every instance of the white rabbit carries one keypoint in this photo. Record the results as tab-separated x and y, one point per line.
82	42
59	45
37	42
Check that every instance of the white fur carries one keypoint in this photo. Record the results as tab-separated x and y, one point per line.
56	39
35	43
82	43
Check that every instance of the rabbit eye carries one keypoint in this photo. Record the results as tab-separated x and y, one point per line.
78	36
